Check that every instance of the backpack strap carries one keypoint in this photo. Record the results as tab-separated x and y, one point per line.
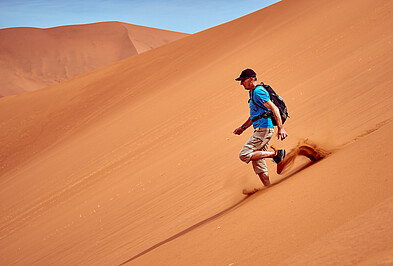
252	96
266	114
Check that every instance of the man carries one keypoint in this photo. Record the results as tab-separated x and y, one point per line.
256	148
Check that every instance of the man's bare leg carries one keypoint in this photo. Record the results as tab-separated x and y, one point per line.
264	178
257	155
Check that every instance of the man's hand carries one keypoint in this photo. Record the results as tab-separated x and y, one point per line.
238	131
243	127
282	134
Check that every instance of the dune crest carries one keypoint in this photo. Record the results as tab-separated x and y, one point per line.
32	58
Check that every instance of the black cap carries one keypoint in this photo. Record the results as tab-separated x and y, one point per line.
247	73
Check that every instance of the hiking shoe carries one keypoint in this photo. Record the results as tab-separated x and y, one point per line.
279	156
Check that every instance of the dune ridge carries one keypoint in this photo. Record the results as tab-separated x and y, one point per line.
33	58
136	162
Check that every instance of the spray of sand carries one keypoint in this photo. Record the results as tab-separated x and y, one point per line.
306	148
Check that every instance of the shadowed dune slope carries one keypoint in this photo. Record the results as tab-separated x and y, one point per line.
33	58
136	162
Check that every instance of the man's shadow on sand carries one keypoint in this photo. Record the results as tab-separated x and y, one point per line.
225	211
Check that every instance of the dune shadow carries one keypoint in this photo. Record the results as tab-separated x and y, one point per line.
209	219
290	174
294	172
309	151
187	230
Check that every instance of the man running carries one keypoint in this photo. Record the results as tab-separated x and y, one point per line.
256	148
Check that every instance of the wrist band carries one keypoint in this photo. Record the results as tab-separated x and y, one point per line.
244	128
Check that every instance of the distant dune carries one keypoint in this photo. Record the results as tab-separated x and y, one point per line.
32	58
137	163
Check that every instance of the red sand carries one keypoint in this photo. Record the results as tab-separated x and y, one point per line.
32	58
136	162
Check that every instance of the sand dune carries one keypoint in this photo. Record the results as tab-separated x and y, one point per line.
32	58
136	162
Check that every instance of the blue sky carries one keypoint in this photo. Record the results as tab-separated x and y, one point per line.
188	16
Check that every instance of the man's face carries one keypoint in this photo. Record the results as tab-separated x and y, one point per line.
247	83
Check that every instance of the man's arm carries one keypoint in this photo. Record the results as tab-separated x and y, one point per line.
281	131
243	127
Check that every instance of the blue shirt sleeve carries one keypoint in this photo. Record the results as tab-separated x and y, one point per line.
261	96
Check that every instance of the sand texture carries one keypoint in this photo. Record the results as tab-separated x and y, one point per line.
137	163
33	58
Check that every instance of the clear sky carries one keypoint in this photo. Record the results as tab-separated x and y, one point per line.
188	16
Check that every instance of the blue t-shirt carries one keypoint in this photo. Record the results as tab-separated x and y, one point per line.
260	96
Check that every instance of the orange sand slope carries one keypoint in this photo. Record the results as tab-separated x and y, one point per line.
32	58
136	162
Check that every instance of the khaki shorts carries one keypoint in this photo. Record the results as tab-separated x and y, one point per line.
259	141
